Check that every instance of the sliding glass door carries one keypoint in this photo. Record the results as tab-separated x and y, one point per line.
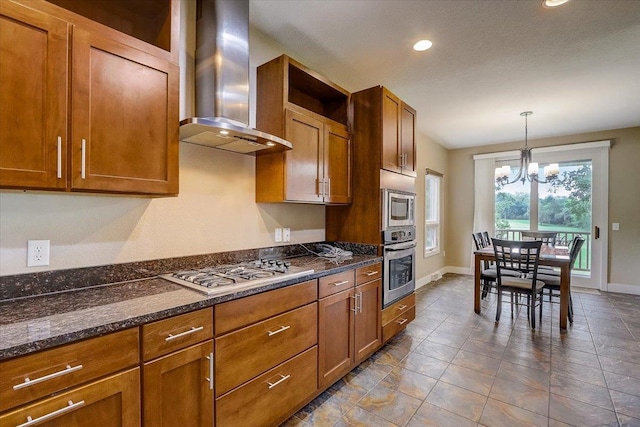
573	204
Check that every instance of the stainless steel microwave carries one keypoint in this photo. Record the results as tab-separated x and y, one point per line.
397	208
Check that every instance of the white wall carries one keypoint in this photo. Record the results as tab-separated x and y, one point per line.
214	212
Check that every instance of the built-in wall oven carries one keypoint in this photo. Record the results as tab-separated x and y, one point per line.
397	208
399	258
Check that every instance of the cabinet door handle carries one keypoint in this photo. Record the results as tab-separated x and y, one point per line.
355	303
328	182
282	379
342	282
360	301
277	331
210	379
70	407
403	321
182	334
320	187
83	169
371	273
28	382
402	307
59	163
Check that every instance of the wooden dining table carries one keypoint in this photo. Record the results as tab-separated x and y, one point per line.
549	256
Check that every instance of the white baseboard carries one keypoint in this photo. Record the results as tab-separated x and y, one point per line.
623	289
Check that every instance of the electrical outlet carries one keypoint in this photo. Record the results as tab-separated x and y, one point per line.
286	234
278	235
37	253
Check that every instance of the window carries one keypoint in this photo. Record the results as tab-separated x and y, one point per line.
432	205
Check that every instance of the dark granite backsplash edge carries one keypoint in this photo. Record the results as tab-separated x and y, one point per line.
30	284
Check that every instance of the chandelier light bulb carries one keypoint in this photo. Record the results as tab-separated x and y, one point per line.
422	45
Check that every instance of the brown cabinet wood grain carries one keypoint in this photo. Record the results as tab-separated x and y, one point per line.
368	324
270	398
247	352
368	273
37	375
111	402
33	95
334	283
335	336
301	106
235	314
125	118
398	133
178	388
168	335
397	316
119	102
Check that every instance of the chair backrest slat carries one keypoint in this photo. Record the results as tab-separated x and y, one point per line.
546	237
517	255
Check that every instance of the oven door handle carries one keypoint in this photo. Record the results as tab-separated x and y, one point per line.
400	246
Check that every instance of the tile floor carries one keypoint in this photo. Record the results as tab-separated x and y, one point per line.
452	367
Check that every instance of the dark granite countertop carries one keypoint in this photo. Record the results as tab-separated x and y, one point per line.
48	319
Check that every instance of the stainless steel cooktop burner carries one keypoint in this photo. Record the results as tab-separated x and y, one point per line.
229	278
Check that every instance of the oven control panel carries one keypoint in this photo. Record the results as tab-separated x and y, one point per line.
398	234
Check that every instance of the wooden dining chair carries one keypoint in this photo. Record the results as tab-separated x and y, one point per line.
522	256
552	281
489	272
546	237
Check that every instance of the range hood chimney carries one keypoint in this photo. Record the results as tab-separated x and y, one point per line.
222	82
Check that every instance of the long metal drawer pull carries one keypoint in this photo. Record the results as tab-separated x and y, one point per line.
59	164
28	382
403	321
282	378
277	331
371	273
182	334
83	170
343	282
33	421
402	307
355	304
210	379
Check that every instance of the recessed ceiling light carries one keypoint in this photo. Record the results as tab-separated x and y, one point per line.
553	3
422	45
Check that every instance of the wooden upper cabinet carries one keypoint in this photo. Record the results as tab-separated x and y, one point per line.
33	96
119	132
398	134
303	107
124	120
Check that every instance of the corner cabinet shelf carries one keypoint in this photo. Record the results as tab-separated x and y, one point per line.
98	111
301	106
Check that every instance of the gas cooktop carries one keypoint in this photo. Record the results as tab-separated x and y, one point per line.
230	278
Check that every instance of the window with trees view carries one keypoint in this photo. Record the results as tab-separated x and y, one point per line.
564	205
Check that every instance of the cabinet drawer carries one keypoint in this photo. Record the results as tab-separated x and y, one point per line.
113	401
59	368
268	399
399	323
235	314
368	273
168	335
243	354
335	283
398	308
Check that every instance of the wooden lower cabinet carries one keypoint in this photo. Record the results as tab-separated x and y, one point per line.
368	324
397	316
335	336
178	388
271	397
110	402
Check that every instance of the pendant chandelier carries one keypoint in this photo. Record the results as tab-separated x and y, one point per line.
528	170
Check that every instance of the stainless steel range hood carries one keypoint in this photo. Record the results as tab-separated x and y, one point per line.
222	82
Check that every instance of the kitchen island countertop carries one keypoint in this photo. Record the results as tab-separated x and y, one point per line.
38	322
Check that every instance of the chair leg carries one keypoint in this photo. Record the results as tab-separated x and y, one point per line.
541	299
511	299
485	289
499	307
532	309
570	309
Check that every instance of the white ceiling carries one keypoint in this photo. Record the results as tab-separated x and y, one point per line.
577	67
